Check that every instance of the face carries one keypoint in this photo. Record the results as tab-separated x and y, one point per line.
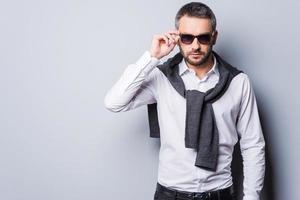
196	54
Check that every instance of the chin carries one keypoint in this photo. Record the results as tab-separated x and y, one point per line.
196	61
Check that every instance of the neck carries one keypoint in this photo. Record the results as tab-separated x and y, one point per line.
202	69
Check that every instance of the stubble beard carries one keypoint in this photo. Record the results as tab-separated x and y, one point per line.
198	64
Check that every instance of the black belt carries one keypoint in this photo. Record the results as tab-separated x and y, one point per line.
211	195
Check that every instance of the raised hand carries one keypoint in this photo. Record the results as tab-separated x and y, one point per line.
163	44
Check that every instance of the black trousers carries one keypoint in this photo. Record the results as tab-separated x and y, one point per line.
164	193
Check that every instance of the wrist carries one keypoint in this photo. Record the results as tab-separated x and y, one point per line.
155	55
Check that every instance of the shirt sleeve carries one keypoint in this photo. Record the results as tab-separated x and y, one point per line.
136	86
252	143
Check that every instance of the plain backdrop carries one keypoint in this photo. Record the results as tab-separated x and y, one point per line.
58	58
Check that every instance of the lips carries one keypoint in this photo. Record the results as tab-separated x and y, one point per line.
196	54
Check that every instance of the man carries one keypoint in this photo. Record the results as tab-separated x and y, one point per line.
199	106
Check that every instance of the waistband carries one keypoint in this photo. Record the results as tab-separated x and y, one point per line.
226	193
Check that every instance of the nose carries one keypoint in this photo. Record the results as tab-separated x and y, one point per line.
195	44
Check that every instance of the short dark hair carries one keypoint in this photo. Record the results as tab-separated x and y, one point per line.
196	9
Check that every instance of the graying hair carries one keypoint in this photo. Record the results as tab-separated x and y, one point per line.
196	9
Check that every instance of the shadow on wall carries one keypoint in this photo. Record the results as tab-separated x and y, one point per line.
268	192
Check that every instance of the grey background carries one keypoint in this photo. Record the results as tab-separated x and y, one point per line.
58	58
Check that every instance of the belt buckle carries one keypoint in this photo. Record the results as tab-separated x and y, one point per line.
201	196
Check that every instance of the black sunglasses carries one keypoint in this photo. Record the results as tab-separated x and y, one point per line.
202	38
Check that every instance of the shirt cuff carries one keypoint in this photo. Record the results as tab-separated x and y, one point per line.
147	63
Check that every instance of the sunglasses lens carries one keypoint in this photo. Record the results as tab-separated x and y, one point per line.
204	39
187	39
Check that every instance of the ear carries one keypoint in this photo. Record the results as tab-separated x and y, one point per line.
215	36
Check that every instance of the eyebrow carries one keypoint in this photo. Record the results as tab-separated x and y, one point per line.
196	35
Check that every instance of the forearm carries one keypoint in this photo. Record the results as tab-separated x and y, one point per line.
254	171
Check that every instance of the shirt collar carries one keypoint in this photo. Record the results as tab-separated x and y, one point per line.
184	68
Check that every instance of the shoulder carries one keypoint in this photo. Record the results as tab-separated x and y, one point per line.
241	84
241	79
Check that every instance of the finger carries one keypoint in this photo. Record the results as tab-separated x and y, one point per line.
175	38
175	32
165	38
171	38
172	46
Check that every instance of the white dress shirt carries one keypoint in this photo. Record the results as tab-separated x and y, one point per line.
236	116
